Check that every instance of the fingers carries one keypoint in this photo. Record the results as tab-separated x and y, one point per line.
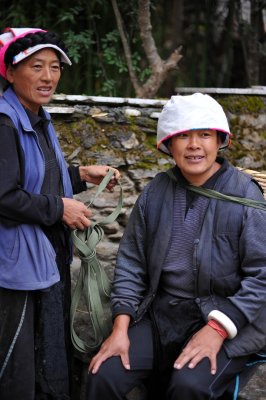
206	343
193	362
95	173
76	215
187	356
111	185
116	174
117	344
125	361
100	358
103	355
97	361
81	220
213	362
114	180
82	223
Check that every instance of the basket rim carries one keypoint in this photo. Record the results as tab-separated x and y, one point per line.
259	176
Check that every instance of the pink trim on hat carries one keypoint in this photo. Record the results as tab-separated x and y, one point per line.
5	47
187	130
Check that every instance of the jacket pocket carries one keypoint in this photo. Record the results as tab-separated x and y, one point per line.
226	271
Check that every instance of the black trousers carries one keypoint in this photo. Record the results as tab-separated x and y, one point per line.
18	380
36	366
113	382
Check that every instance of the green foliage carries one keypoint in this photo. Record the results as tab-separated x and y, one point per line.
218	46
112	69
108	87
143	72
78	44
111	51
70	15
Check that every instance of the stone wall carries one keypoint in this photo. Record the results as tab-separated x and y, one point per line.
122	133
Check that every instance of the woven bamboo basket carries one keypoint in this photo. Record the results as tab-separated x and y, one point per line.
259	176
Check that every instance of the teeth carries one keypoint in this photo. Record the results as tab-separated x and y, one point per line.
195	157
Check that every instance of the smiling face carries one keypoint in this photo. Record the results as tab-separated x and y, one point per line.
35	79
195	152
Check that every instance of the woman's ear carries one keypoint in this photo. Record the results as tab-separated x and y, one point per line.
169	146
219	139
9	74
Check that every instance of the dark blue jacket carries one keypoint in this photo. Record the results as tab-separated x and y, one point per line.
229	256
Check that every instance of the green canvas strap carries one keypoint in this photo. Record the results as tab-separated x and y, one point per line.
221	196
93	284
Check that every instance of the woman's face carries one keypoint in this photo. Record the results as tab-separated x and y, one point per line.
35	79
195	153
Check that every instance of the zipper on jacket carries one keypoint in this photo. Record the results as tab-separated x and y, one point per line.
195	266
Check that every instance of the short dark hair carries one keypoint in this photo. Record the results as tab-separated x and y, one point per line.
30	40
223	136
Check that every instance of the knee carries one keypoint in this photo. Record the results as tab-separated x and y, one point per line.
106	383
179	383
186	386
101	381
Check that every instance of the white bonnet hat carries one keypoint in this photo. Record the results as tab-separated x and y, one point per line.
184	113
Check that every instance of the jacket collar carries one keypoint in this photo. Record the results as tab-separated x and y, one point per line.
12	99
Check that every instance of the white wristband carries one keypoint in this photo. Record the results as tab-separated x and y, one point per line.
225	321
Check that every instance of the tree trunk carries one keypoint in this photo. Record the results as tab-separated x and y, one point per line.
159	67
256	27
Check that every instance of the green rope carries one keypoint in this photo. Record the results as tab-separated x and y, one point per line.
93	283
225	197
221	196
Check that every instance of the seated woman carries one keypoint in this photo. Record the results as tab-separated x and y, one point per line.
188	296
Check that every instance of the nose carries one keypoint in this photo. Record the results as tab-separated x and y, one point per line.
193	141
47	74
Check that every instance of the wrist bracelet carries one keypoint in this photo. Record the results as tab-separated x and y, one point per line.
218	328
225	322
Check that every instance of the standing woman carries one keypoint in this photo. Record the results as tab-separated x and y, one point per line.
37	213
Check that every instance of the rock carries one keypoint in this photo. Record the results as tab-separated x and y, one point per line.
130	112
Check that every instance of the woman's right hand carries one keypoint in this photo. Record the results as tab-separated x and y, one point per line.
117	344
76	215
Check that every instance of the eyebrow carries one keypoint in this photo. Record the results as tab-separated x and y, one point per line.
36	58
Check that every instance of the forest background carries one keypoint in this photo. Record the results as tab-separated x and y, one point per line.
149	48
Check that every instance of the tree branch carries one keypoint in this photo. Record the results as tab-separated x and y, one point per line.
144	21
150	88
159	68
127	51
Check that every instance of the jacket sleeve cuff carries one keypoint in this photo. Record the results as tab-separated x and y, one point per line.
224	321
125	311
60	207
229	309
77	184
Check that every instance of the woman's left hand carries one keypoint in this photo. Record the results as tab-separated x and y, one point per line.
205	343
95	173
